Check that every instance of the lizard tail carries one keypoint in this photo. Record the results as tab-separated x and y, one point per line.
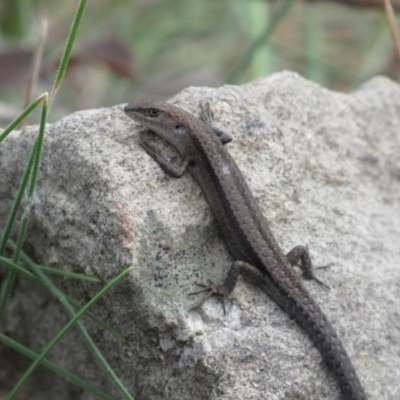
322	333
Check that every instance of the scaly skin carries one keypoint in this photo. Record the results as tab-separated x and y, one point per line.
246	231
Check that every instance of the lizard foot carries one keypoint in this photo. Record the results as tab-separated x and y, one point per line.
212	290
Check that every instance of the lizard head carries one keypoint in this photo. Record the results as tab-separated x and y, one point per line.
168	121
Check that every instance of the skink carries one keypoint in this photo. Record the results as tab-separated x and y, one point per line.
258	256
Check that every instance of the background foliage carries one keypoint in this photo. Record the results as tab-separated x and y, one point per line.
123	50
128	49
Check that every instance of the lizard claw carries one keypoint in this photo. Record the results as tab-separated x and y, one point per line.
320	283
212	290
205	287
324	266
313	277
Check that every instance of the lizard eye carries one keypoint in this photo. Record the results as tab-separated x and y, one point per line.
153	112
177	126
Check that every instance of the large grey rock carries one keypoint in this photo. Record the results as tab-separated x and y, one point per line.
325	168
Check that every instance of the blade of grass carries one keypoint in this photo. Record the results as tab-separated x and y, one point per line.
28	274
64	330
36	157
260	41
21	117
262	58
68	49
17	202
35	172
52	366
100	322
48	270
70	275
67	274
18	268
7	286
33	165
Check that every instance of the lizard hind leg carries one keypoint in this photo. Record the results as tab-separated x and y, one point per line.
250	272
302	254
212	290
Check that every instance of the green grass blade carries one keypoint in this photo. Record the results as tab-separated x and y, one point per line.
17	268
35	159
100	322
22	116
68	49
261	40
20	269
30	166
54	367
67	274
17	202
35	172
74	319
27	172
28	274
48	270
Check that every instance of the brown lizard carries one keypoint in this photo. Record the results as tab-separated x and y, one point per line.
246	231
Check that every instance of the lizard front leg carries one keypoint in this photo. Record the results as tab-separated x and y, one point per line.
168	167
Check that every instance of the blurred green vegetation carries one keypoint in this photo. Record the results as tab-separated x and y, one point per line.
128	49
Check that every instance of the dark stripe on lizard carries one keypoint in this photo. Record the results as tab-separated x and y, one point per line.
245	228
